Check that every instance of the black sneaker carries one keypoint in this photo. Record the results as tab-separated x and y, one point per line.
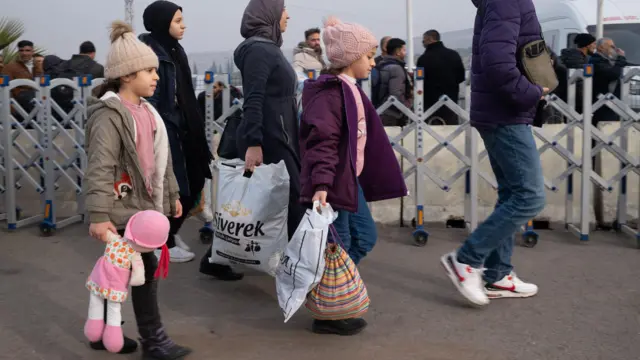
129	347
218	271
347	327
174	352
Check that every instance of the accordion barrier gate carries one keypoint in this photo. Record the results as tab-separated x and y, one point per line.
32	152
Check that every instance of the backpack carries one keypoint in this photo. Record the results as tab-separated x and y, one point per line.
63	95
379	88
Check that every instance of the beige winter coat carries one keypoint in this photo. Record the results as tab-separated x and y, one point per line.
306	59
113	182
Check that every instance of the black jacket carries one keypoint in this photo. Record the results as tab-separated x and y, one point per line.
270	111
571	59
606	79
189	149
87	65
443	74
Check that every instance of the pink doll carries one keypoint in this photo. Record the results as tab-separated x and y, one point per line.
121	266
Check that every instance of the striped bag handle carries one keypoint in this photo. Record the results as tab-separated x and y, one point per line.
335	238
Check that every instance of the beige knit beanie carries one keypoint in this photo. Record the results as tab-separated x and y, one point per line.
127	54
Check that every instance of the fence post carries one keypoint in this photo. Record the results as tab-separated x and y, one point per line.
586	152
471	177
48	224
7	144
571	100
420	235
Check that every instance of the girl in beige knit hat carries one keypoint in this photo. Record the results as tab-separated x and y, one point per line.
129	170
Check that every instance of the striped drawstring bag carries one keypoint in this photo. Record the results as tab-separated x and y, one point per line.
341	293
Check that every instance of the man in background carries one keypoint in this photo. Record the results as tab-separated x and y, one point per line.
84	62
24	67
308	55
443	73
383	48
393	81
608	65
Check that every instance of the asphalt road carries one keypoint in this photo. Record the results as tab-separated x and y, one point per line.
588	306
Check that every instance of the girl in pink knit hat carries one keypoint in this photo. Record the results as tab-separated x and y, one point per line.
346	156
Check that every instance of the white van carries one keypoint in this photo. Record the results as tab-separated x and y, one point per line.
562	20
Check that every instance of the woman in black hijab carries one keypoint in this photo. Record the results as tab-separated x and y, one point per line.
176	102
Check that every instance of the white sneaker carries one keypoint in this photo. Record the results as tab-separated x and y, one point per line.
180	243
177	255
510	287
467	280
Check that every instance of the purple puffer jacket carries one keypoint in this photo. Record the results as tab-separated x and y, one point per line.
500	94
328	140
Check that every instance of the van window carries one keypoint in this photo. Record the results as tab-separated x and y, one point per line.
551	39
625	36
570	40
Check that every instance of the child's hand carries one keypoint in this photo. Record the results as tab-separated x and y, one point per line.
178	209
320	196
100	230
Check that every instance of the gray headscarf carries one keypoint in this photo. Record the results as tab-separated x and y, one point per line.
262	18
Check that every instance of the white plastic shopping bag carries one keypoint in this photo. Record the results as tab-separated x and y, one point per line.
302	265
250	224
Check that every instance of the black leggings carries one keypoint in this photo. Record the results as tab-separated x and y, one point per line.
145	299
188	203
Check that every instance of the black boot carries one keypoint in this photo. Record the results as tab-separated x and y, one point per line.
129	347
174	352
218	271
345	327
161	347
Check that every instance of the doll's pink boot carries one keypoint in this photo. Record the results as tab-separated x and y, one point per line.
93	330
113	339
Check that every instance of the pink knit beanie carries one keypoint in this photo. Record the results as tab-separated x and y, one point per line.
345	42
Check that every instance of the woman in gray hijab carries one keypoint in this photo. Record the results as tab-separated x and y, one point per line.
268	132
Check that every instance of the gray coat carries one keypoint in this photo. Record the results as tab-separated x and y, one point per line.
396	82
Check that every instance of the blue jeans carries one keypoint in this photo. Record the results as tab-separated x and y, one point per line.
516	164
357	230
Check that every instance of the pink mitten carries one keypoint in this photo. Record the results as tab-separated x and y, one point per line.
113	339
93	329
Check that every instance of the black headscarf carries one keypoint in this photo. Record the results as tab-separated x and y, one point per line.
262	18
157	19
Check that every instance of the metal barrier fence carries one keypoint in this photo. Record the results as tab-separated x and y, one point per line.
32	153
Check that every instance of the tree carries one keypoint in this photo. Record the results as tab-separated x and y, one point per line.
10	31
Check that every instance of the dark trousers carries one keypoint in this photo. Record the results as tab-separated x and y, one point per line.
145	299
188	203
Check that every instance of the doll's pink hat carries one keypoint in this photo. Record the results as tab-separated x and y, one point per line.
150	229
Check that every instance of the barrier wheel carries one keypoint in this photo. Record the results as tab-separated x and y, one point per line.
616	226
18	213
529	240
206	235
47	230
420	238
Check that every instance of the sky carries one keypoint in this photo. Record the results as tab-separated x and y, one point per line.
60	26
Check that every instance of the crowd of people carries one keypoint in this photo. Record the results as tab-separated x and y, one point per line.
146	130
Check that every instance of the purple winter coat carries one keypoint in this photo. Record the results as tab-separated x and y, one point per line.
328	141
500	93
